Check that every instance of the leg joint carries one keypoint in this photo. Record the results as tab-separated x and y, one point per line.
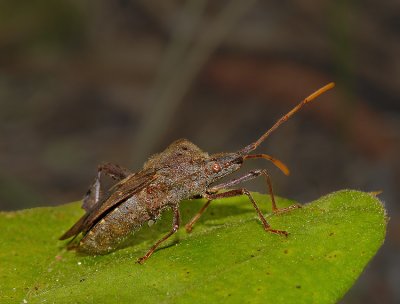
175	228
245	191
256	172
265	172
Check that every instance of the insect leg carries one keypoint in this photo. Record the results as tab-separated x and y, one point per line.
249	176
93	195
114	171
246	177
195	218
275	209
175	227
246	192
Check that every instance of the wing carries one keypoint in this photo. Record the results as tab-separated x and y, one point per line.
118	194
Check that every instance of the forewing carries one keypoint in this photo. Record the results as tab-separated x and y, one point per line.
120	192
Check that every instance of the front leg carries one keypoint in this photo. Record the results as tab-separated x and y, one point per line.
246	192
93	195
211	192
252	175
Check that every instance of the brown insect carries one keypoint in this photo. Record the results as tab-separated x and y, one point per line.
182	171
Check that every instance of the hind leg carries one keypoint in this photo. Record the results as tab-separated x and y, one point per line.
94	194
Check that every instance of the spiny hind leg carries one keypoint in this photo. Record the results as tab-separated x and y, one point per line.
94	194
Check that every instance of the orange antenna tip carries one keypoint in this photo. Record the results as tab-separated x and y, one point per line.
320	91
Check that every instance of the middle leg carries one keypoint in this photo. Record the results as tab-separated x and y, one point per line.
175	227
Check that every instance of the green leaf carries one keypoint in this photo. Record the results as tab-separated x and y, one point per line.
228	256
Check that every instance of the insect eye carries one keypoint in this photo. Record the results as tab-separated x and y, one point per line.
216	167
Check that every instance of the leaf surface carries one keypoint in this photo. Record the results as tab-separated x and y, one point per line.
227	258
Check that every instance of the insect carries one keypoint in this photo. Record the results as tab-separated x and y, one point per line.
181	171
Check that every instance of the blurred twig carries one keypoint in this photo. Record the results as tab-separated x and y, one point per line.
175	78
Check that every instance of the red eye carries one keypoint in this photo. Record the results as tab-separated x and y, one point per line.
216	168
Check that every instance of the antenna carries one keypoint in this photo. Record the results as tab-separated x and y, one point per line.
284	118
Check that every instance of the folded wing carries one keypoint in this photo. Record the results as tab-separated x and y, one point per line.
129	186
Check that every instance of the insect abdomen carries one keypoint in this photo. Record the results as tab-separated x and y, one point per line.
109	232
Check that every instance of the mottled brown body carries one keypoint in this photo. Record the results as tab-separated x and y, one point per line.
173	182
182	171
110	231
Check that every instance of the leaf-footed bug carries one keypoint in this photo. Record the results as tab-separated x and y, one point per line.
181	171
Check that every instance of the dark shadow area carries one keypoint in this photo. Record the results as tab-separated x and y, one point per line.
188	209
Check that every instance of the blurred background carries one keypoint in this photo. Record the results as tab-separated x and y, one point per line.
83	82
